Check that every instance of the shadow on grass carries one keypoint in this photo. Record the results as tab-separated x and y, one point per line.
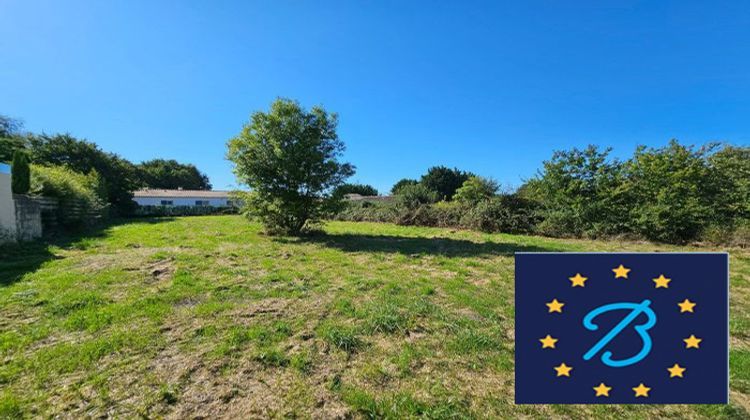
18	259
416	245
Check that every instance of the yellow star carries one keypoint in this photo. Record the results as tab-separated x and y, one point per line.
686	306
563	370
548	342
555	306
578	280
602	390
621	271
675	370
692	342
641	390
662	281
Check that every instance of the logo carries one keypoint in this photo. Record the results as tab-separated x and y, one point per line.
622	328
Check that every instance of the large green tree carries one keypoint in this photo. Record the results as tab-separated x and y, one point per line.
119	175
289	157
170	174
444	181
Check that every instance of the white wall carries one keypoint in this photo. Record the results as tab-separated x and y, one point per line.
180	201
7	207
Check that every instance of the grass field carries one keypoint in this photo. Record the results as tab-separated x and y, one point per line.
205	316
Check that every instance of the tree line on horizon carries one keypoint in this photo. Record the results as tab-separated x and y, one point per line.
111	178
290	159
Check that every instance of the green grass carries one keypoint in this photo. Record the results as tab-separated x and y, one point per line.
207	316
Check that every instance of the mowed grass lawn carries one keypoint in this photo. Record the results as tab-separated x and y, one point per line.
205	316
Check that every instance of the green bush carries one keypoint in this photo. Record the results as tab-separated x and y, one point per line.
402	183
168	211
368	211
414	196
672	192
506	213
20	173
733	234
78	195
476	189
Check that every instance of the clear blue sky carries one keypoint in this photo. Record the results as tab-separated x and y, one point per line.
492	87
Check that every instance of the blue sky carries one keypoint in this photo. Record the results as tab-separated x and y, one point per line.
492	87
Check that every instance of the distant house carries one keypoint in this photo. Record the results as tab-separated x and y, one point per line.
183	198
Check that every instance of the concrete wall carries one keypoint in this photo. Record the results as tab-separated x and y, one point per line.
28	218
7	209
180	201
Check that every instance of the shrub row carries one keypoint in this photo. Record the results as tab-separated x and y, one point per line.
166	211
503	213
79	196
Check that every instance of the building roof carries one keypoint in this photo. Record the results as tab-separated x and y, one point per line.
181	193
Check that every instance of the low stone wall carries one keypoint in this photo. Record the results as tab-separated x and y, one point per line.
28	218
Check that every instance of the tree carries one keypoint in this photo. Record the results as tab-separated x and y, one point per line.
444	181
402	183
170	174
731	170
579	193
20	173
10	138
476	189
672	191
119	175
361	189
288	156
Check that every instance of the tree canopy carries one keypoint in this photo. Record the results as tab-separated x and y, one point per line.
11	138
170	174
444	181
476	189
288	156
402	183
119	176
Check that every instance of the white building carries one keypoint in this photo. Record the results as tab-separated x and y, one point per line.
182	198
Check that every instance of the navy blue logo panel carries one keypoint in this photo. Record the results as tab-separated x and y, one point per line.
617	328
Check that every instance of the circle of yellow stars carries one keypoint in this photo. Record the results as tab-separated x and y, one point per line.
620	272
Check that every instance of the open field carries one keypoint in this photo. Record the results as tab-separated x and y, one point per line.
204	316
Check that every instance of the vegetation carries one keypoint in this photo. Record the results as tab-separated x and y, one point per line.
79	196
402	183
20	173
361	189
672	194
289	158
119	176
11	139
444	181
475	190
171	175
207	317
